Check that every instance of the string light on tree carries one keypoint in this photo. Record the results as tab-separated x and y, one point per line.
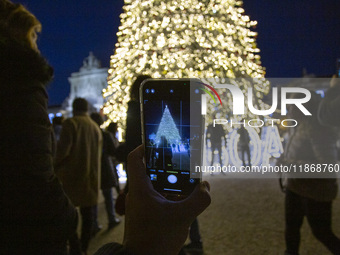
182	39
168	129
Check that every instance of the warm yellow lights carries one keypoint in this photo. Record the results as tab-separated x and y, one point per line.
181	38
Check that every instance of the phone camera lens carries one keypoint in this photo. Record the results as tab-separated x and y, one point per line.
147	91
171	91
152	91
197	91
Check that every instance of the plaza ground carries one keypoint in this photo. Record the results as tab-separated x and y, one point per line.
246	216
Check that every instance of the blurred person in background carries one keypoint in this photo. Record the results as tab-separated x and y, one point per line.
78	163
133	136
133	132
109	178
57	125
112	128
310	195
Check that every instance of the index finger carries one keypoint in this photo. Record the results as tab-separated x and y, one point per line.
138	180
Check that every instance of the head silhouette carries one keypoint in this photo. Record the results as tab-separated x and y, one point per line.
96	117
80	105
134	92
19	24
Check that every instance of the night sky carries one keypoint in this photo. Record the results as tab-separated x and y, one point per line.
292	35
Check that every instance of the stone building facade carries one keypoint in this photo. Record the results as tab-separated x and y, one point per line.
88	83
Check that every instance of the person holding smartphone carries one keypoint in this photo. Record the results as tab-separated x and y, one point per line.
153	224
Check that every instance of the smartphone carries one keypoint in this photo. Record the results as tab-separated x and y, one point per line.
172	133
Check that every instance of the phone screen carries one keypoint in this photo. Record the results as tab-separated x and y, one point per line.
172	142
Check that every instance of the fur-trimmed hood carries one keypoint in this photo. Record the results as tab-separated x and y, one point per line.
20	65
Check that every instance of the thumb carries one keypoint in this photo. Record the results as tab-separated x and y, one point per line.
197	202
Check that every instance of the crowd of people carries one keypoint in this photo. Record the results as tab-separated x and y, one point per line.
46	171
42	183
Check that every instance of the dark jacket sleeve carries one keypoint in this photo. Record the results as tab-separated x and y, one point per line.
113	249
109	145
34	207
65	142
329	113
30	192
109	178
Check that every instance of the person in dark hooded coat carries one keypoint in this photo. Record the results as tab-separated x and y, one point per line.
36	217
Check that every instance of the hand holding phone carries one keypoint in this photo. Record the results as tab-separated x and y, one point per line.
154	225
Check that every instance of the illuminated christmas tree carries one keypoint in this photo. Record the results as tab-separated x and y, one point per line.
183	39
168	129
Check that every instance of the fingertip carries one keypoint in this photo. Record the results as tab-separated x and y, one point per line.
205	185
